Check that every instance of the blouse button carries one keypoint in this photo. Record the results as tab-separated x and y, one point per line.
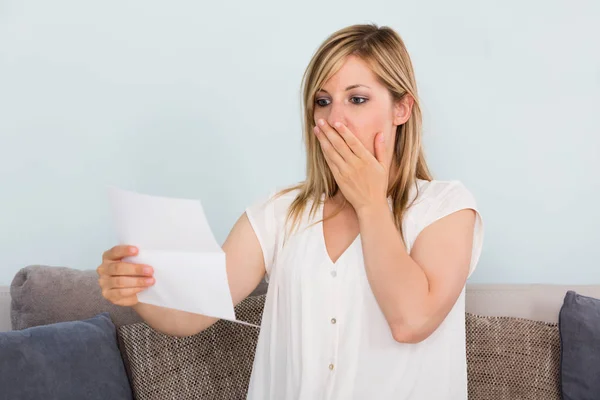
333	273
331	366
333	320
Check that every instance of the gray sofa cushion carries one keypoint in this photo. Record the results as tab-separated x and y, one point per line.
63	361
45	295
580	347
215	364
512	358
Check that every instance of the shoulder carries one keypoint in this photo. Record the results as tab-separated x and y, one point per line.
438	193
436	199
275	201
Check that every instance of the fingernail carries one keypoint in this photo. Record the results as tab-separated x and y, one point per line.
149	281
132	250
316	129
147	270
337	125
321	122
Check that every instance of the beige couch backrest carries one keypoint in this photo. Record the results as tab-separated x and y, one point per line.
537	302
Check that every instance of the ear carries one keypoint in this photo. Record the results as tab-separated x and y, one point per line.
403	109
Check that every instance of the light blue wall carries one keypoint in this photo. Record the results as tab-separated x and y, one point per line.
184	99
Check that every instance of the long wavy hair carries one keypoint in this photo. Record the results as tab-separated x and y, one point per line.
385	53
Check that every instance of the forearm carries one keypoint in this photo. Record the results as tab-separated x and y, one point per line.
173	322
399	284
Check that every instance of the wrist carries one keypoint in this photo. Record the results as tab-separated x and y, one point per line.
375	209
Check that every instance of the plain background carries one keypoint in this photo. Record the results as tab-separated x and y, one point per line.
195	100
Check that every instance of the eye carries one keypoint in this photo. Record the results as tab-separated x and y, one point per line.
322	102
358	100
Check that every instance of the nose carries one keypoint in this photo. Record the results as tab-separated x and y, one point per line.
336	114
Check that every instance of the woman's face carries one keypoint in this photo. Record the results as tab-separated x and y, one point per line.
355	97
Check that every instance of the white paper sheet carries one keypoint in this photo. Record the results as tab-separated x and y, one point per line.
175	239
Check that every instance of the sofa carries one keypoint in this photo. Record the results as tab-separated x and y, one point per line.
513	342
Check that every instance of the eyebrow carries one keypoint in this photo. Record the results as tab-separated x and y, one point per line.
348	88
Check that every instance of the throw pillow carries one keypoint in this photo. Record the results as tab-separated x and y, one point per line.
579	322
63	361
512	358
215	364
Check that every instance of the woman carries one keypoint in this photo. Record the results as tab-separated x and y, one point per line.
366	259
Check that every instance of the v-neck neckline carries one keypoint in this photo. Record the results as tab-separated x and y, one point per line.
322	234
322	237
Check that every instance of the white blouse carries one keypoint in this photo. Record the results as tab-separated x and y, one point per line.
323	335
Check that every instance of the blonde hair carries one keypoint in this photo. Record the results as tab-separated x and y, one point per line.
385	53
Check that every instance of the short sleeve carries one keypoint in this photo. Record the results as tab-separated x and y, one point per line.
453	197
262	217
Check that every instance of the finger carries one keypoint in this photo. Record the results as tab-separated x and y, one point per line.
119	252
337	141
333	157
352	141
120	294
380	147
121	282
128	269
334	169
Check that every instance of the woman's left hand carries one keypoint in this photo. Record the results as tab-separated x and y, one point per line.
362	177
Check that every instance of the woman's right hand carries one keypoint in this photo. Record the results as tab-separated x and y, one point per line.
121	281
